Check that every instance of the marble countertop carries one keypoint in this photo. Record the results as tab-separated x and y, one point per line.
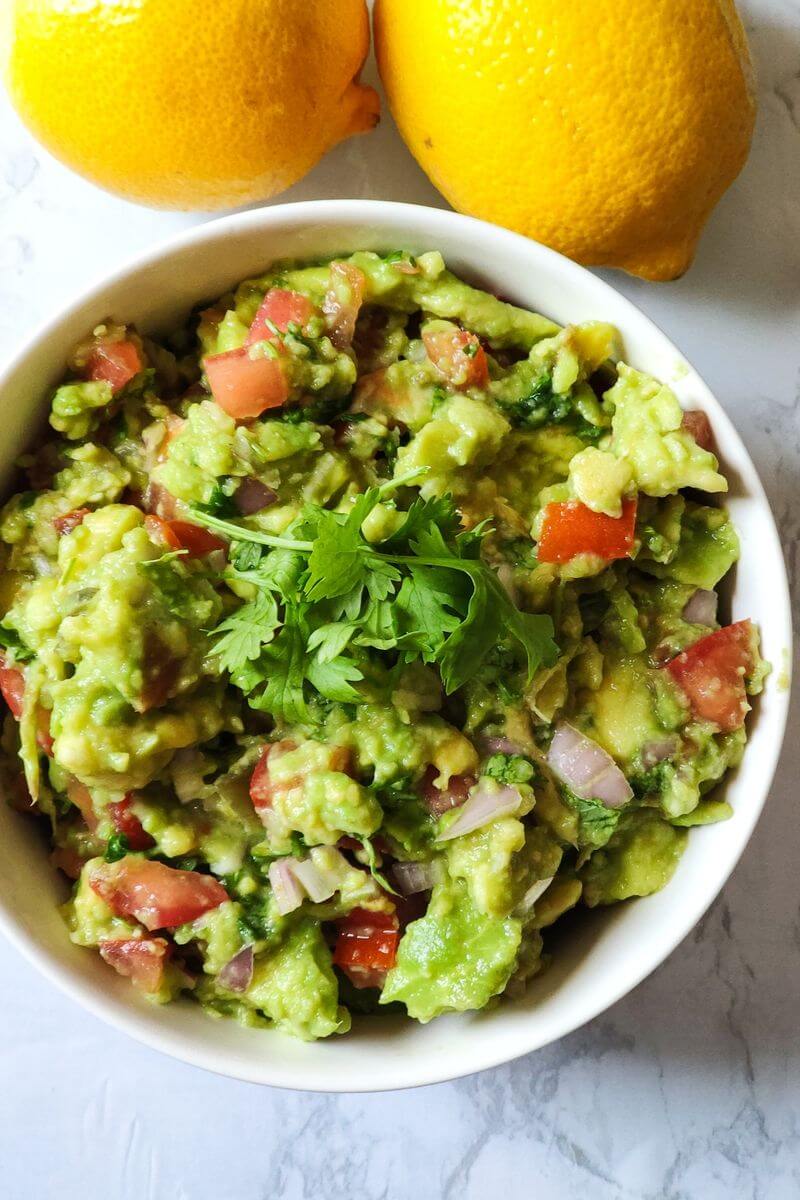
688	1088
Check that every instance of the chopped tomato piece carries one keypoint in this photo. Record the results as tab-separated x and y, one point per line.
343	301
698	425
571	529
160	530
114	362
159	896
141	959
44	738
712	674
195	538
69	521
126	822
12	687
183	535
366	946
262	788
245	387
280	308
459	356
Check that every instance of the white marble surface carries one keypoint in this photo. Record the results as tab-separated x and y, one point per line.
689	1088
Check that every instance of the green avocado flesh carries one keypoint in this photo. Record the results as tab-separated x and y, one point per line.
298	603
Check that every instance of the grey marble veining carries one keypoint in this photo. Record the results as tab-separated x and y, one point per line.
689	1089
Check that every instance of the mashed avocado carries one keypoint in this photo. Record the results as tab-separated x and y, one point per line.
355	632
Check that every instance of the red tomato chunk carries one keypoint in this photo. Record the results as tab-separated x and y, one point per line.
459	356
571	529
366	946
159	896
69	521
280	308
113	362
245	387
712	674
12	687
183	535
126	822
140	959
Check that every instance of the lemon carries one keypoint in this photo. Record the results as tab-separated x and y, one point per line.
189	103
607	130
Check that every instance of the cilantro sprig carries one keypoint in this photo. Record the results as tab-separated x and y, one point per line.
336	616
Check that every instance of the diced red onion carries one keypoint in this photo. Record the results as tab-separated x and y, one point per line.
497	745
217	561
159	501
656	751
533	893
287	891
318	885
237	974
252	496
505	573
294	879
586	768
701	608
405	267
484	804
413	877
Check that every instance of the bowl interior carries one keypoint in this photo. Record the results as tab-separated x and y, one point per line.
603	955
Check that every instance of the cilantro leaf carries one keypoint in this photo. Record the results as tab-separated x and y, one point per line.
220	503
438	511
280	669
246	631
11	640
336	564
427	610
372	862
244	556
330	640
116	847
334	679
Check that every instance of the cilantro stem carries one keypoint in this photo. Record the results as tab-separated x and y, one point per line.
240	534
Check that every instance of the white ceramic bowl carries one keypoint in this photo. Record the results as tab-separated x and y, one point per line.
611	951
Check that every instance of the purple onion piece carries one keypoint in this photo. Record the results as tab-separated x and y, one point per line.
533	893
701	608
237	974
488	745
586	768
658	750
287	891
253	496
318	885
484	804
413	877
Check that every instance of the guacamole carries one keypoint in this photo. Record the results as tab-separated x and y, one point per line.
353	633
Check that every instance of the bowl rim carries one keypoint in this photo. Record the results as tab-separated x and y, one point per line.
473	233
